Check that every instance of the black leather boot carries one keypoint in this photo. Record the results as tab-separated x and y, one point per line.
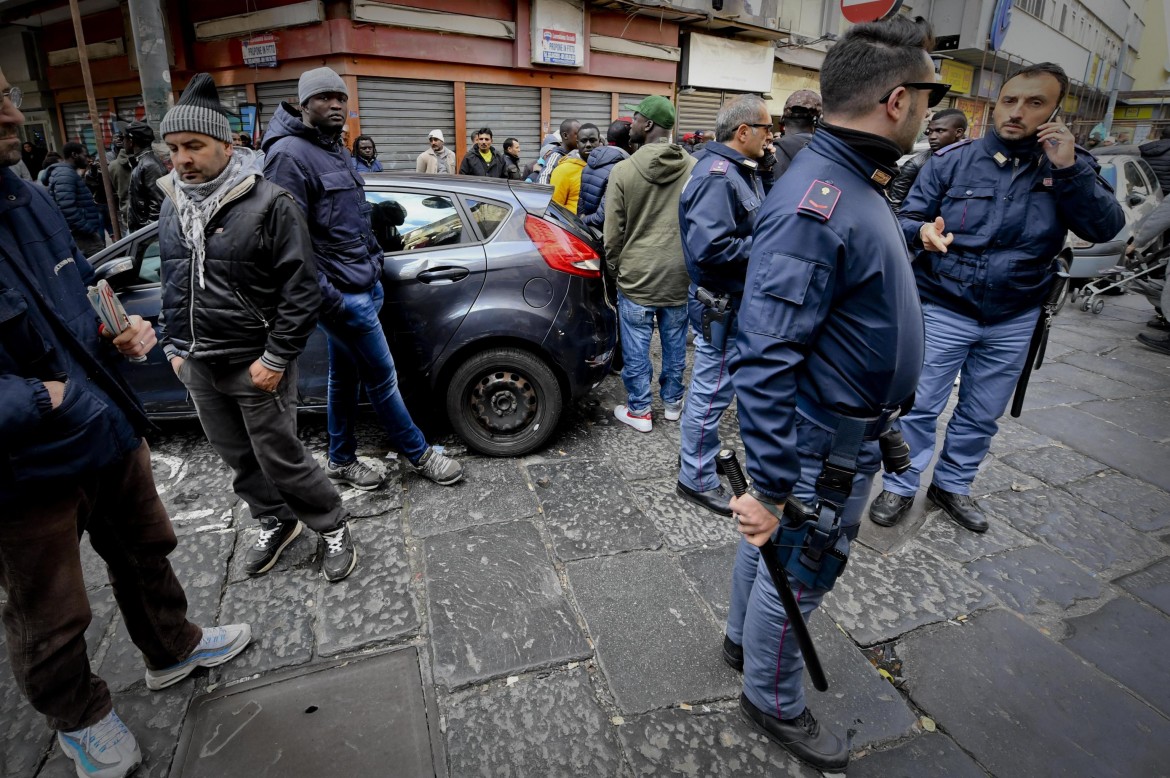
803	737
959	507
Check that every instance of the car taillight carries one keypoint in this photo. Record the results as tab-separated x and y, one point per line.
561	249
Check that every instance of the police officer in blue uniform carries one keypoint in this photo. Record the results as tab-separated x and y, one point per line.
717	211
829	349
1009	199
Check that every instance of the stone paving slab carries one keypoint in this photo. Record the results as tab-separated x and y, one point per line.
709	570
996	475
590	510
1102	385
299	557
360	503
947	539
999	688
655	641
1136	376
639	455
1147	416
880	597
1089	537
1054	465
1135	502
1151	585
155	718
1036	581
495	605
687	743
1128	641
1013	436
926	755
682	524
280	608
1046	394
375	604
194	483
492	491
544	724
1117	447
24	735
859	704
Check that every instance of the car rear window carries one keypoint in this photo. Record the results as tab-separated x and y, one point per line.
488	215
408	221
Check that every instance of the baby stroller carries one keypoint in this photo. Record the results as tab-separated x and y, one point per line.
1141	266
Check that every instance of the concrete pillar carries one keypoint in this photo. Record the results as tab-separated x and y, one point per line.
148	22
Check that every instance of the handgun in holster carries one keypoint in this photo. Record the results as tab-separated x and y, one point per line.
717	313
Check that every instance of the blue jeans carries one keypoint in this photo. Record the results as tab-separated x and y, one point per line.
990	357
637	327
359	355
709	396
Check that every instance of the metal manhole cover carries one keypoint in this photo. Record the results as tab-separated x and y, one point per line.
363	717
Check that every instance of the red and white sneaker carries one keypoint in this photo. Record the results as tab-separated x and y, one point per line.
640	423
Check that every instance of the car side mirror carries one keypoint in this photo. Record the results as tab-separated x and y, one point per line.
1135	200
115	267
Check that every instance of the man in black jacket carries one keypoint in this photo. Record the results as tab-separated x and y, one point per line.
144	198
799	121
483	160
946	127
1156	151
240	300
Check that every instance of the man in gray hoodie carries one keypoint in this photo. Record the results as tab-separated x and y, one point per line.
643	251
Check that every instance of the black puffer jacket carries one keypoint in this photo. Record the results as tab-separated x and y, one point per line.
260	295
144	196
1157	153
900	187
473	165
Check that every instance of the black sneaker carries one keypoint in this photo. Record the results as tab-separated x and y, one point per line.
340	554
275	535
733	654
960	507
888	508
803	737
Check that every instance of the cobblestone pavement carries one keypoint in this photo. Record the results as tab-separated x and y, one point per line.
567	608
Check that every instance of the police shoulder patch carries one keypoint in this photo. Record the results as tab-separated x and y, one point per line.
819	201
719	167
957	144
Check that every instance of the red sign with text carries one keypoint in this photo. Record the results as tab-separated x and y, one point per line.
859	11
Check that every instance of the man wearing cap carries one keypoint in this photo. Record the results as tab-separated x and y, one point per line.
239	302
799	121
644	253
717	211
75	462
438	158
144	198
305	157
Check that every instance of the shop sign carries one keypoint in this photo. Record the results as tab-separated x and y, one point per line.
958	74
558	33
558	47
260	51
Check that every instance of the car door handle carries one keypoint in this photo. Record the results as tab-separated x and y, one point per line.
443	275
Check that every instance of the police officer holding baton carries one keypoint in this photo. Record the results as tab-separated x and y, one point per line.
716	214
829	349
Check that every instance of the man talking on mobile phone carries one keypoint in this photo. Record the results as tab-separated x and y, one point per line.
986	219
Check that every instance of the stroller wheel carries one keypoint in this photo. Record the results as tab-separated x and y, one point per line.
1085	304
1098	306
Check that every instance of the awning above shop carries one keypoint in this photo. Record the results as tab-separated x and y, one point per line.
801	57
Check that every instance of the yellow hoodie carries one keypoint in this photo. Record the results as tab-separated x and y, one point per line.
566	181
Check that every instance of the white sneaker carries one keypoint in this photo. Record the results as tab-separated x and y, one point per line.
640	423
219	644
102	750
674	412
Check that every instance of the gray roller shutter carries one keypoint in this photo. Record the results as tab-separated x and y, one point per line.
697	111
399	114
583	106
78	127
269	96
628	98
510	111
129	107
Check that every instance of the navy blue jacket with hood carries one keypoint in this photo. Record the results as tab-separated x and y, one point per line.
74	199
42	280
594	178
316	170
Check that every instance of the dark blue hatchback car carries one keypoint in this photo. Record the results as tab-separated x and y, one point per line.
495	308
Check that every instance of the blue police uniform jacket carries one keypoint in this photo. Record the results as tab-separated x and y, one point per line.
716	213
830	312
1010	212
43	278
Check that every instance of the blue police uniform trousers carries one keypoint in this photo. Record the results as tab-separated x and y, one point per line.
990	358
772	662
708	397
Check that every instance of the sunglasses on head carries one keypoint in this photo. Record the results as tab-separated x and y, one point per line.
937	91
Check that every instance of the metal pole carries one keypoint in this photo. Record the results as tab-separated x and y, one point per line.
94	118
1117	77
154	67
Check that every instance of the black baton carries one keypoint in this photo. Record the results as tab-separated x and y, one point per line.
727	460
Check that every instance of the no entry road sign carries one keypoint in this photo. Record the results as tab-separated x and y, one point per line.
859	11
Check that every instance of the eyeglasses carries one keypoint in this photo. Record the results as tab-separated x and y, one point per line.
760	126
14	94
937	91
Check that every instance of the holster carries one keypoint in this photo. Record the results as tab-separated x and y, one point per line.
717	315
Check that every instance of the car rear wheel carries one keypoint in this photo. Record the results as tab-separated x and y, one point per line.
504	402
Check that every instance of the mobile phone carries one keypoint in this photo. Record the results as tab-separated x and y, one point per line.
1052	118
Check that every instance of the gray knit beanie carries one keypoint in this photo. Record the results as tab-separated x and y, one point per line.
198	110
319	81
